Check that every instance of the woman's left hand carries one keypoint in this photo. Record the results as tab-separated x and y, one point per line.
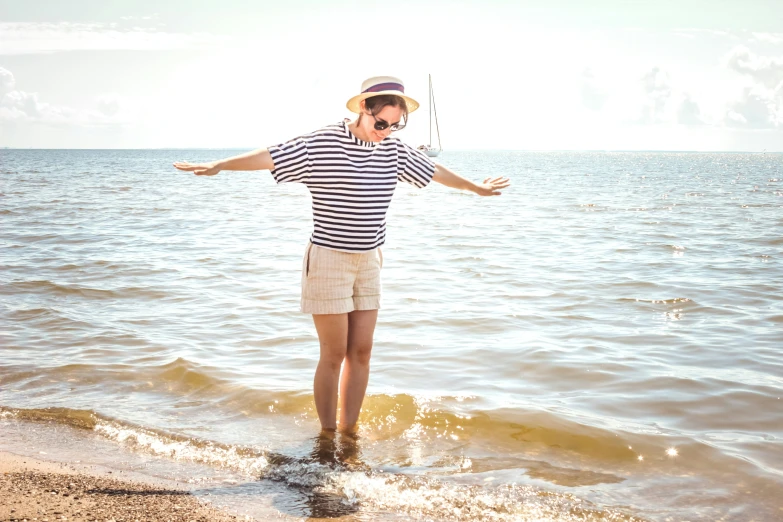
492	186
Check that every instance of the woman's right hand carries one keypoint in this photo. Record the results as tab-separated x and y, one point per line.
199	169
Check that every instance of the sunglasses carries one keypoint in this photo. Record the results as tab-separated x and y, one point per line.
382	125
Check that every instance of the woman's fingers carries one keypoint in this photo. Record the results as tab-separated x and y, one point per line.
500	180
493	186
496	184
196	168
184	165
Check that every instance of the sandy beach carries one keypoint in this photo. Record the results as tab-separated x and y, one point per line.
33	489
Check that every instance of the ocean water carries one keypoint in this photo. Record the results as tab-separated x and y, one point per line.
602	342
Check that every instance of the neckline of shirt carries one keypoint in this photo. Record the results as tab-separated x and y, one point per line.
368	144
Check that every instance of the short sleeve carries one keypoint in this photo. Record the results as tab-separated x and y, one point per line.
414	166
292	161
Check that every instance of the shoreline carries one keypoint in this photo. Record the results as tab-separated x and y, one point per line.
34	489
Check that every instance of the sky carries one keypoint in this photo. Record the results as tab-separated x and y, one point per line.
522	75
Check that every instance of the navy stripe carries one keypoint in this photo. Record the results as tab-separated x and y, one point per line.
351	182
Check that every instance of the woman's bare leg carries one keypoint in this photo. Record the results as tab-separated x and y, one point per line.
356	372
333	337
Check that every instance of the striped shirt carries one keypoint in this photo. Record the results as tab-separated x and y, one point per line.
351	182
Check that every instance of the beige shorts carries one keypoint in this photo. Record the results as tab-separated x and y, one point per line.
335	282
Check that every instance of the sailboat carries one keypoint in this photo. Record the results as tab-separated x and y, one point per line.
428	149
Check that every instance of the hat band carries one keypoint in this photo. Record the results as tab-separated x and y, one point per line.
385	87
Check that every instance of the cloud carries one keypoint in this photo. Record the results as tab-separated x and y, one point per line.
657	90
108	105
693	32
743	35
21	106
15	104
23	103
689	112
7	82
774	38
150	17
29	37
765	70
26	106
757	108
594	95
760	105
645	98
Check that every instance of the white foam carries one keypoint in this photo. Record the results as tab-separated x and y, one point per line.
422	497
208	453
415	496
426	498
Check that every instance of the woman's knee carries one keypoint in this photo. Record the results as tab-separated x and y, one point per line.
360	353
332	356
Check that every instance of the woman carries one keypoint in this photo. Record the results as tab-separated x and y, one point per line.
351	170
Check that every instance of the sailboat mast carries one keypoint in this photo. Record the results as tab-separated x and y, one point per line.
435	110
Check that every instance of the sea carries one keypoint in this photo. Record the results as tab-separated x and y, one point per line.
603	341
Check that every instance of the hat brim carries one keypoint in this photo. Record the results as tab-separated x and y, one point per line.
355	107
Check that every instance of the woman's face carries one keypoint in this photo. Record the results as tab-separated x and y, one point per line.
389	114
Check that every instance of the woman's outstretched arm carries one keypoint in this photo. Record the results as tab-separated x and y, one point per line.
258	159
490	186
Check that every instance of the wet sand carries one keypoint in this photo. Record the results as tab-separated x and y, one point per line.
32	489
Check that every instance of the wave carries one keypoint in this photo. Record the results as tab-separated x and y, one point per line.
50	287
555	434
145	439
389	418
334	478
670	301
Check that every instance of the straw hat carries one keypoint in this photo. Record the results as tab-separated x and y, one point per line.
377	86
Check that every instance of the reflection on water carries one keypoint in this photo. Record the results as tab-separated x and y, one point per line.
336	451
